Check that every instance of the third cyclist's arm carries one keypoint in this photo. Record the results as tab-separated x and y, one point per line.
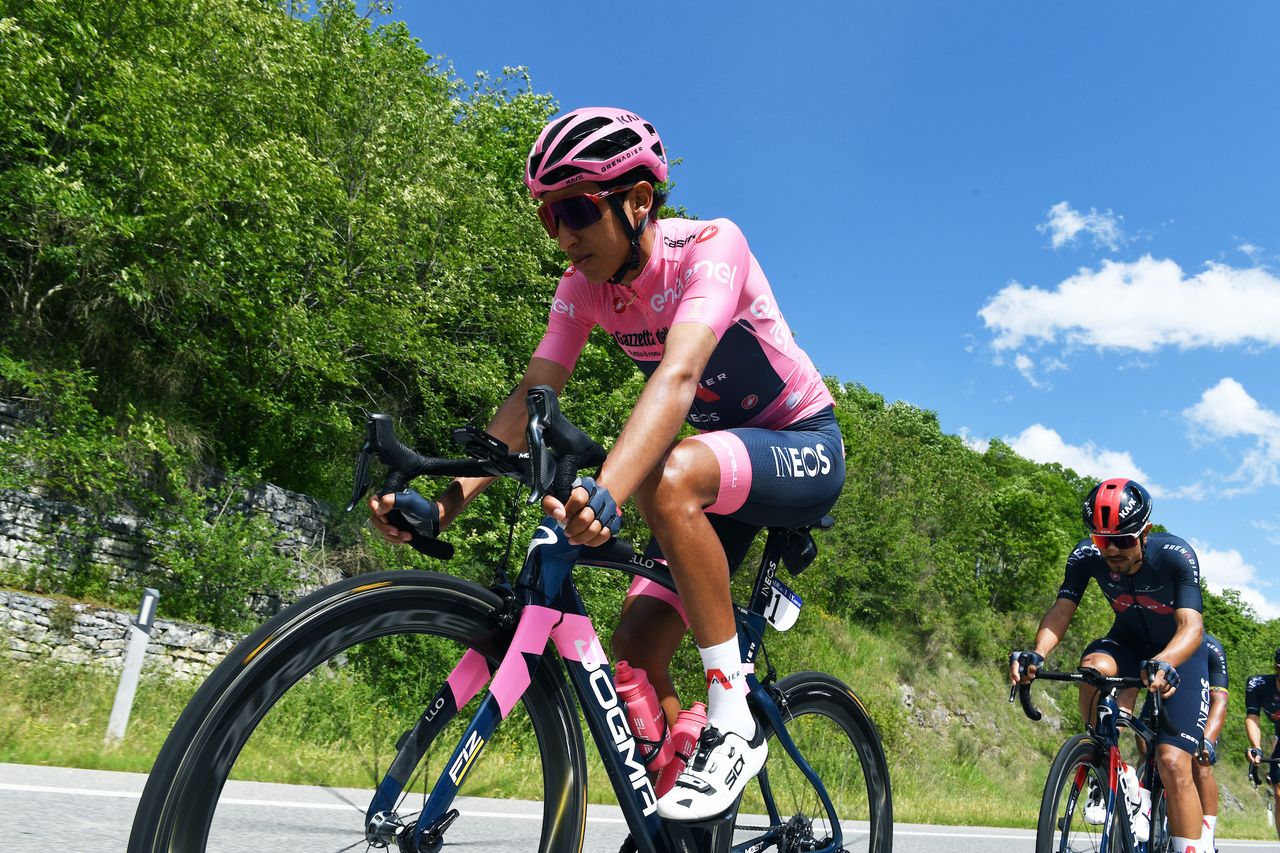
1253	731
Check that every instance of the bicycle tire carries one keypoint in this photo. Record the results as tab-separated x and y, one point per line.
1062	827
1161	840
181	796
829	724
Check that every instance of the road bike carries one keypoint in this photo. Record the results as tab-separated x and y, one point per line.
438	640
1090	762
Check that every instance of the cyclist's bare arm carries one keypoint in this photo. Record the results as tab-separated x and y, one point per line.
508	425
1051	631
661	409
1188	637
648	432
1253	731
1217	714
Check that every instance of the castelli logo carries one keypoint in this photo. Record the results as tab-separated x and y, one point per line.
619	304
570	271
750	401
1115	577
707	233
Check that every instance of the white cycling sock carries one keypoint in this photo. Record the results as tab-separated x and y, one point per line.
727	689
1186	845
1206	837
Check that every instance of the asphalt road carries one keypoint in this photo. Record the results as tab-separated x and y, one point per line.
87	811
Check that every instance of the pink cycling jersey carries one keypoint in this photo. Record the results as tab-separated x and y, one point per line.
699	272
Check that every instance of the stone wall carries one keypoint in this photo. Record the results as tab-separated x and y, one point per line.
37	628
44	542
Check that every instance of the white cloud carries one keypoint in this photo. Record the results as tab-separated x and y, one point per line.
1039	443
1271	528
977	444
1140	306
1027	368
1228	570
1066	224
1251	250
1228	411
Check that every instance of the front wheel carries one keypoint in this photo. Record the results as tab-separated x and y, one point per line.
319	697
1071	811
837	737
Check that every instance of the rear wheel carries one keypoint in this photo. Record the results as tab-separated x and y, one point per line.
831	729
319	697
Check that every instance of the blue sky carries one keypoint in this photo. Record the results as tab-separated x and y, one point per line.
1051	223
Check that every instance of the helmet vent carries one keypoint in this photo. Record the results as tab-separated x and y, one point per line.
611	145
575	136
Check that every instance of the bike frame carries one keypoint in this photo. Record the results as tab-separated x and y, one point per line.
550	609
1107	735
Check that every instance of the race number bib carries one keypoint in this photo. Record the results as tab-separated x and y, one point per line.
784	607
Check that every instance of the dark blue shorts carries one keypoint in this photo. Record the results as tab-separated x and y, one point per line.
768	478
1188	710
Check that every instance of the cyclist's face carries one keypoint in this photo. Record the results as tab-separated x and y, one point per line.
599	249
1124	561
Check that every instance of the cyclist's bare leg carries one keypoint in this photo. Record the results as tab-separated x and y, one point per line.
647	637
671	500
1185	818
1207	786
1106	665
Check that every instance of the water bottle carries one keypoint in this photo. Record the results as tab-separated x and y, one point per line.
684	736
1138	803
645	715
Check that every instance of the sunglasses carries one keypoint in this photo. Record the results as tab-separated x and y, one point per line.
1123	541
575	212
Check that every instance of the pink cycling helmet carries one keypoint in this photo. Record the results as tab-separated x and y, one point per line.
593	144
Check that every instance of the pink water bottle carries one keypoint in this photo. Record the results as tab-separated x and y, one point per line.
684	735
644	713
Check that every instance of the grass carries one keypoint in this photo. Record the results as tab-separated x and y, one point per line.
960	754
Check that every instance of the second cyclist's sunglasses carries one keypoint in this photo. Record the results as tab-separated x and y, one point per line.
575	212
1122	541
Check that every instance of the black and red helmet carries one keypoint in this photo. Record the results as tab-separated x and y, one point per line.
1117	506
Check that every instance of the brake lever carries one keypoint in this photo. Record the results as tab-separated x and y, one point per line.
542	466
362	481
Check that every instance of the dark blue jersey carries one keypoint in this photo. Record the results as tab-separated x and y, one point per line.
1262	698
1144	602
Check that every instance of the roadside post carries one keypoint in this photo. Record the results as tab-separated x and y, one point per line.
139	634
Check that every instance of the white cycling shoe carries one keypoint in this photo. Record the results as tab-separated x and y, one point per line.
715	776
1095	811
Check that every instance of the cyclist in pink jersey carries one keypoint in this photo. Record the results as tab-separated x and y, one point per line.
690	305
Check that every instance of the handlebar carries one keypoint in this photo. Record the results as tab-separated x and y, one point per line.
1253	769
1087	675
558	450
